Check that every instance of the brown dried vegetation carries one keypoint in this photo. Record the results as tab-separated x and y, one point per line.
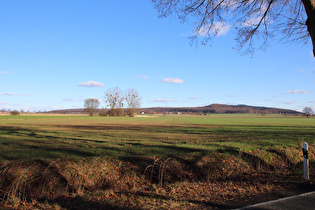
200	181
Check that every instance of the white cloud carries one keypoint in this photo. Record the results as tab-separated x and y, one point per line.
75	107
192	98
183	35
297	91
287	102
252	21
10	94
217	29
141	76
161	100
4	72
67	100
255	18
172	80
91	84
220	28
15	94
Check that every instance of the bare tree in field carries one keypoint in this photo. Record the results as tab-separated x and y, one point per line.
254	20
133	101
91	105
308	111
114	98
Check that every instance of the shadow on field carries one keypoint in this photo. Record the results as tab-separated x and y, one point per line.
16	131
195	164
283	156
252	160
206	204
13	130
173	151
80	203
110	127
68	151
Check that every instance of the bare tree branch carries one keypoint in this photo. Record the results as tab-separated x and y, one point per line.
259	19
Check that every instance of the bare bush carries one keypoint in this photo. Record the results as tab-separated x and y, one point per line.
15	112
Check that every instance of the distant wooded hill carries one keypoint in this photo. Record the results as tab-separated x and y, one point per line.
222	109
210	109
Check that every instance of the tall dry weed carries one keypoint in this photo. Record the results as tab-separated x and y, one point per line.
162	171
90	174
49	179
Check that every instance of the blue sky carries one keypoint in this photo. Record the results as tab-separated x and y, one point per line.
55	53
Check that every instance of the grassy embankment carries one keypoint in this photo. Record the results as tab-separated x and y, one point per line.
157	161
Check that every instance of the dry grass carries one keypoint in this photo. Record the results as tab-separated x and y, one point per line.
196	182
38	179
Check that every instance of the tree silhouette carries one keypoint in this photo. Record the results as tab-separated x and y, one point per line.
254	20
308	111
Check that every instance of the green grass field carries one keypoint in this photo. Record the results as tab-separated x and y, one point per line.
51	137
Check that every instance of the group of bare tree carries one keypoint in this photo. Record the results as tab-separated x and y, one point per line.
119	102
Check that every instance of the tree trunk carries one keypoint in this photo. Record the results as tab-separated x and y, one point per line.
309	6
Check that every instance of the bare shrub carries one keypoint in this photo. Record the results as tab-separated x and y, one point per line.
103	113
210	167
90	174
162	171
15	112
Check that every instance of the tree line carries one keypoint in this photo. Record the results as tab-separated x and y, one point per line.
119	102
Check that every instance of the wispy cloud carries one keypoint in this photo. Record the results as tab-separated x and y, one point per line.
252	21
91	84
161	100
67	100
141	76
4	72
2	103
297	91
183	35
75	107
286	102
172	80
15	94
10	94
217	29
193	98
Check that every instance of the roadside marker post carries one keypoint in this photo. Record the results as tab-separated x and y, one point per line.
306	161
